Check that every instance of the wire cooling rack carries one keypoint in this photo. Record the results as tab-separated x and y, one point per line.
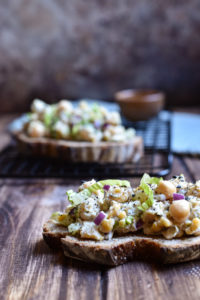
156	161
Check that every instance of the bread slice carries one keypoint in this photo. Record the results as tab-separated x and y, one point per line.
124	248
75	151
53	233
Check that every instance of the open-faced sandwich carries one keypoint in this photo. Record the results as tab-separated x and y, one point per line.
109	222
87	133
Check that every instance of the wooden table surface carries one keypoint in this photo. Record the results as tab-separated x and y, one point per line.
30	270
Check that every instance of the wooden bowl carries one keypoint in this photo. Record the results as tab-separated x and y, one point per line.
139	105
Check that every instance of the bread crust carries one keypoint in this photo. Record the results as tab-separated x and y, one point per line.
75	151
124	248
53	233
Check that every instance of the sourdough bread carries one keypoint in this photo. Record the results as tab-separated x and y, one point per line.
75	151
121	249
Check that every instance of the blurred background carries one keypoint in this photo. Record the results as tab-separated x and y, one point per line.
74	49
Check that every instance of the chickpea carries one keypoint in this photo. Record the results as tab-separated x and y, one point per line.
180	210
61	130
36	129
38	106
156	227
64	105
121	197
195	224
148	216
83	105
114	210
122	214
87	133
165	222
122	223
107	225
88	209
117	190
167	188
113	118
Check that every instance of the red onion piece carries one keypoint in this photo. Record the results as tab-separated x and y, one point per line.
178	196
106	187
139	224
97	124
105	125
99	218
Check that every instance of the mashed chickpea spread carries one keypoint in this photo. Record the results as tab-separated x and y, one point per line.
99	210
91	123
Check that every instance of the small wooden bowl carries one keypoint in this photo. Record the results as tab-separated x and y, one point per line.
140	105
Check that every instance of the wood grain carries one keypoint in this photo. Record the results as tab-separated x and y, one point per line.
30	270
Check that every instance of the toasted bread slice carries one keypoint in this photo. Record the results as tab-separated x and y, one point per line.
53	233
75	151
124	248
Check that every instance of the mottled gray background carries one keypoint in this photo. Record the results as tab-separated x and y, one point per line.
88	48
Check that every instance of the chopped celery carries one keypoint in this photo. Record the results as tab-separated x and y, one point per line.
100	184
77	198
145	186
75	129
50	116
129	220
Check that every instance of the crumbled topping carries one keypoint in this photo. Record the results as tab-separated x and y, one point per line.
86	122
122	211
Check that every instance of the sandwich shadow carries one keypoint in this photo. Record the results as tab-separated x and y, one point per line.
41	248
58	258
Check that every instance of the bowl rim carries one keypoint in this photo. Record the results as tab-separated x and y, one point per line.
139	95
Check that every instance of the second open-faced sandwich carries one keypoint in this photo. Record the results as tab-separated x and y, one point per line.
86	133
109	222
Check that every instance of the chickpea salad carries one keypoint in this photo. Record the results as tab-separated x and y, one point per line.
91	123
103	209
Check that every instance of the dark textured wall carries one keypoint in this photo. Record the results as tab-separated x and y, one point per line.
58	48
